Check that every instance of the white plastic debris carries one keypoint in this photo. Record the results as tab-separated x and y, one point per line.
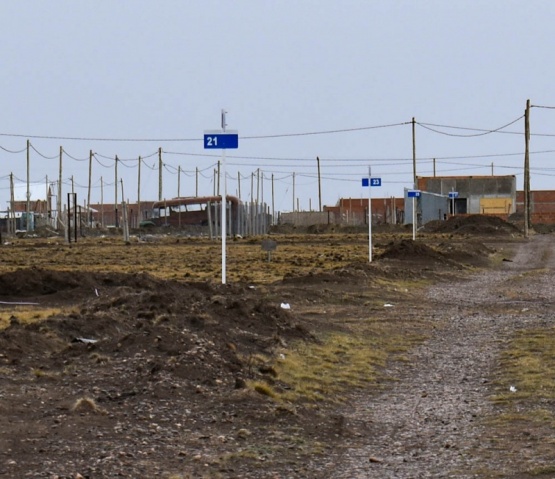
85	340
96	292
512	389
285	306
387	305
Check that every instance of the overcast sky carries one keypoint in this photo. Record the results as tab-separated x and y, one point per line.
163	70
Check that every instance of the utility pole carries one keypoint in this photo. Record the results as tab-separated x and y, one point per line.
139	193
89	190
293	191
116	193
492	168
273	199
414	152
527	209
319	185
258	186
218	180
160	174
261	187
434	167
102	201
27	222
59	199
196	181
179	181
12	204
239	184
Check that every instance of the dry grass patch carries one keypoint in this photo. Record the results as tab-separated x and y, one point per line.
87	405
528	364
341	362
27	314
525	392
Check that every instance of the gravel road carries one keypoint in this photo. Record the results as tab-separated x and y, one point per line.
430	423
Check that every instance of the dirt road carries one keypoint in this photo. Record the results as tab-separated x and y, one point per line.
434	421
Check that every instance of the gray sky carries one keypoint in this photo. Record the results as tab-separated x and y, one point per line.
136	69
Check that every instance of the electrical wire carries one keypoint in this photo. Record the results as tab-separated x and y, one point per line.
170	140
13	151
74	158
483	132
324	132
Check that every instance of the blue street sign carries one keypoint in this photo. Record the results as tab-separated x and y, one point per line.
373	182
218	140
453	194
413	193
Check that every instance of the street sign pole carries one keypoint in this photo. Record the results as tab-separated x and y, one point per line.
369	214
370	182
224	207
221	140
413	218
414	194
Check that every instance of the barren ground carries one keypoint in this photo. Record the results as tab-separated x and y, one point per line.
136	362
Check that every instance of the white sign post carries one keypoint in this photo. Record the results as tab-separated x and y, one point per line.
453	195
413	194
222	140
370	182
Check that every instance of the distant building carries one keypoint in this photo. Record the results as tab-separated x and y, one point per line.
486	195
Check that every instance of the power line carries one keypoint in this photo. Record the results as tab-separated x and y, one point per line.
171	140
483	132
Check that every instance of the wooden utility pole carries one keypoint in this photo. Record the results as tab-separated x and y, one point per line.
434	167
116	194
12	205
293	191
319	185
258	186
492	168
89	190
102	201
527	209
139	193
414	152
27	222
59	199
252	187
179	181
218	180
239	184
160	174
196	181
273	199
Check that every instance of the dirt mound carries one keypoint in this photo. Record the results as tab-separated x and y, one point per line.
37	282
208	327
415	251
472	224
